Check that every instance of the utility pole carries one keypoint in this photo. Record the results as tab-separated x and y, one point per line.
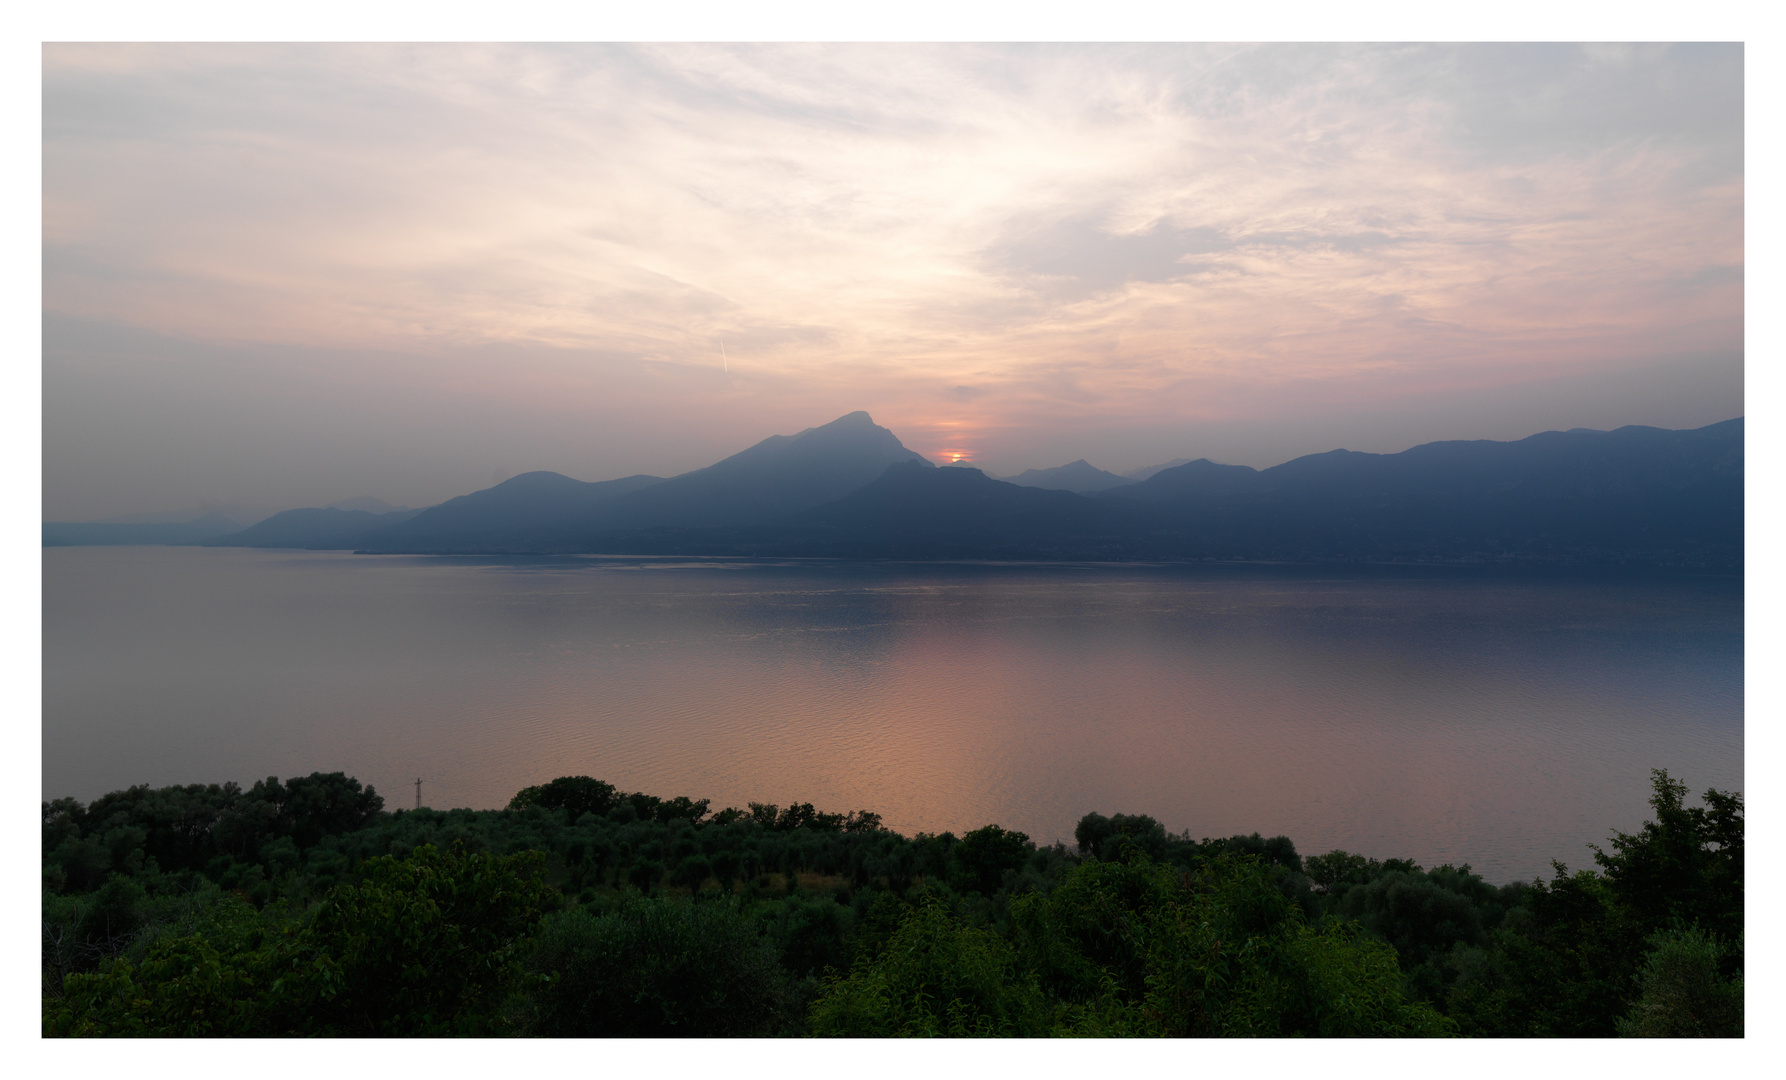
418	793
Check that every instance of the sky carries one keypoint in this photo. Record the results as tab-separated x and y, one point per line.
285	275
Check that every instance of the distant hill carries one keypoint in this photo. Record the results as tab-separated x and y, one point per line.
1080	477
1143	474
181	528
319	528
512	516
1637	494
1202	477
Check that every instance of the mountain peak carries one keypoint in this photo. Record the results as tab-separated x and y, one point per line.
858	421
1079	477
781	475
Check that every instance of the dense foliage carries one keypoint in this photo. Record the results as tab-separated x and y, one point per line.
304	908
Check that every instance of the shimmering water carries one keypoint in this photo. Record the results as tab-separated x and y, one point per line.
1440	715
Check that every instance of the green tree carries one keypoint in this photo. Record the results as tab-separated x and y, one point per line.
692	871
1103	837
934	977
984	855
646	875
1571	964
726	866
1683	993
1684	866
578	794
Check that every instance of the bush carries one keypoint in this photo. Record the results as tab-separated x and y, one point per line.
657	968
934	977
1684	996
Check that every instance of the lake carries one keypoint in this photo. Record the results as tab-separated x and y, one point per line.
1437	714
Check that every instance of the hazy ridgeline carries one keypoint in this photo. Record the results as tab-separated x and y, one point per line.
306	908
1637	496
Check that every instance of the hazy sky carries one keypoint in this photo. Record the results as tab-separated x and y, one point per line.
288	275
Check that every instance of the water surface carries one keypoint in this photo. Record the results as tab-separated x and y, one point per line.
1442	715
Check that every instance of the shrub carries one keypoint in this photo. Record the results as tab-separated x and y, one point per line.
1684	996
934	977
656	968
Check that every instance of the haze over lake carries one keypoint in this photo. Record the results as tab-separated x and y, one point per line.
1438	714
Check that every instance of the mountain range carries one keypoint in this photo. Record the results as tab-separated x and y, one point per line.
1080	477
1634	496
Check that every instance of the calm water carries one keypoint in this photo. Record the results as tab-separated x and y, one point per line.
1438	715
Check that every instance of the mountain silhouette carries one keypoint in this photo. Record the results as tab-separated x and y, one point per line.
1637	493
1079	476
318	528
1143	474
778	477
782	475
510	516
1633	497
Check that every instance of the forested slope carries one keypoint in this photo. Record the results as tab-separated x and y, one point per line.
304	908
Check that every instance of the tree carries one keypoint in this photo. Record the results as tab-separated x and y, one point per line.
1684	866
1103	837
726	865
1277	849
692	871
645	875
682	807
578	794
984	855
